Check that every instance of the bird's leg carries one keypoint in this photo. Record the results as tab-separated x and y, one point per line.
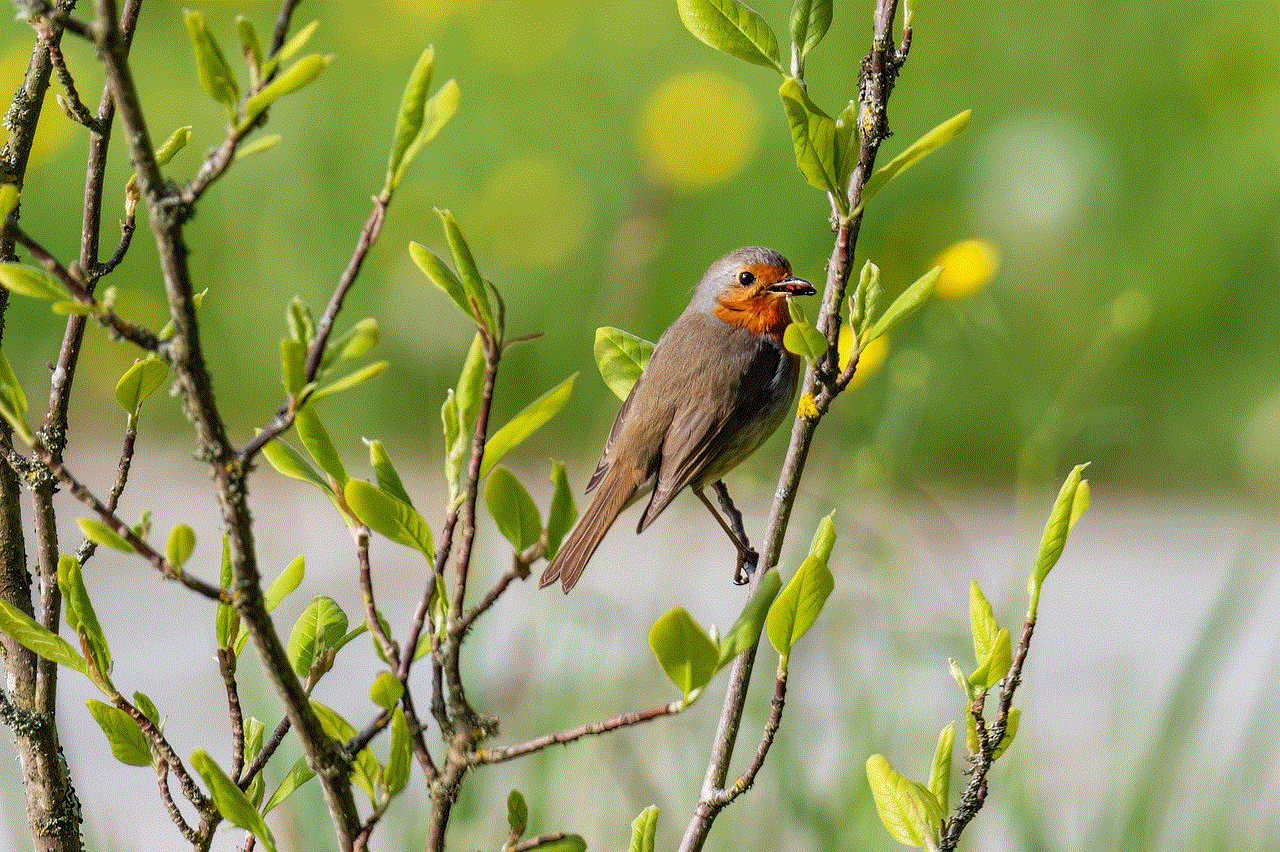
747	557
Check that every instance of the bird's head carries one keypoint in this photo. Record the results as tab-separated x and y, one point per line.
749	288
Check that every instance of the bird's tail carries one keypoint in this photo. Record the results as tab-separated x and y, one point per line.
616	493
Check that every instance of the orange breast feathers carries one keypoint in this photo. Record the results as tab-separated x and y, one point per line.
755	307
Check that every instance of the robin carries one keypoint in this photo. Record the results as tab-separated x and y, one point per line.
717	385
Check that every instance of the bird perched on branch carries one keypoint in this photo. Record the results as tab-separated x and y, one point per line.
717	385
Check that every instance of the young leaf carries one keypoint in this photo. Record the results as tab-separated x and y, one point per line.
298	75
13	402
512	509
562	512
386	690
472	284
684	650
290	48
643	830
230	801
250	45
621	358
298	775
439	108
865	298
288	461
524	424
36	639
350	380
1010	731
28	281
319	445
319	629
385	472
470	390
797	606
147	706
354	342
810	20
746	630
733	28
903	306
293	370
996	665
824	538
517	814
409	121
454	444
940	771
910	813
288	580
440	275
226	619
568	843
813	135
917	151
80	614
180	546
99	533
396	775
982	624
389	517
177	140
128	744
805	340
215	74
1061	519
365	767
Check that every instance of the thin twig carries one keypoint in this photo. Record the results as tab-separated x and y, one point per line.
111	519
166	796
87	547
227	667
268	749
635	717
519	570
747	778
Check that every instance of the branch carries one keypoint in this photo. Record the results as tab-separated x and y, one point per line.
87	547
519	570
635	717
74	107
744	782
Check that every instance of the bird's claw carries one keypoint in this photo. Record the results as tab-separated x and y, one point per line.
747	560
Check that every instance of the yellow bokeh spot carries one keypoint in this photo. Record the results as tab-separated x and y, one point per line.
697	130
550	202
55	131
966	267
873	355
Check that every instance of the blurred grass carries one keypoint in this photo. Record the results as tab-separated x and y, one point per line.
1122	160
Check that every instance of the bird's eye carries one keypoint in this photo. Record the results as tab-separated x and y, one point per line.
746	278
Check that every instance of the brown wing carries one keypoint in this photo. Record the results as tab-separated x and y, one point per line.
603	467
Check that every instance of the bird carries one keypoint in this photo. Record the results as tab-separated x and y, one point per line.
718	383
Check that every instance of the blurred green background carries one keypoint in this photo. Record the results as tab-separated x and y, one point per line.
1121	179
1122	161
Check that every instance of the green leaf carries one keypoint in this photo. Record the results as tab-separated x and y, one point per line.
365	767
293	370
958	675
350	380
798	605
745	632
472	283
290	578
80	615
1065	512
147	706
813	135
385	472
621	358
866	297
470	390
439	108
940	771
230	801
290	48
909	812
996	665
177	140
810	20
298	775
512	509
805	340
568	843
250	44
13	402
140	381
66	309
517	814
1010	731
128	743
299	74
524	424
389	517
562	512
226	619
356	341
409	121
215	74
36	639
266	143
289	462
643	830
386	690
9	195
99	533
917	151
180	546
685	651
454	444
319	445
907	302
982	624
318	630
440	275
29	281
733	28
396	775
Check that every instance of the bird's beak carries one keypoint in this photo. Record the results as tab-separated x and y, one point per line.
792	286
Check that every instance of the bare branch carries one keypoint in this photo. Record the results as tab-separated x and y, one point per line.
635	717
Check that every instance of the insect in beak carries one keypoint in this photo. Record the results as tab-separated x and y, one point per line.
792	286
